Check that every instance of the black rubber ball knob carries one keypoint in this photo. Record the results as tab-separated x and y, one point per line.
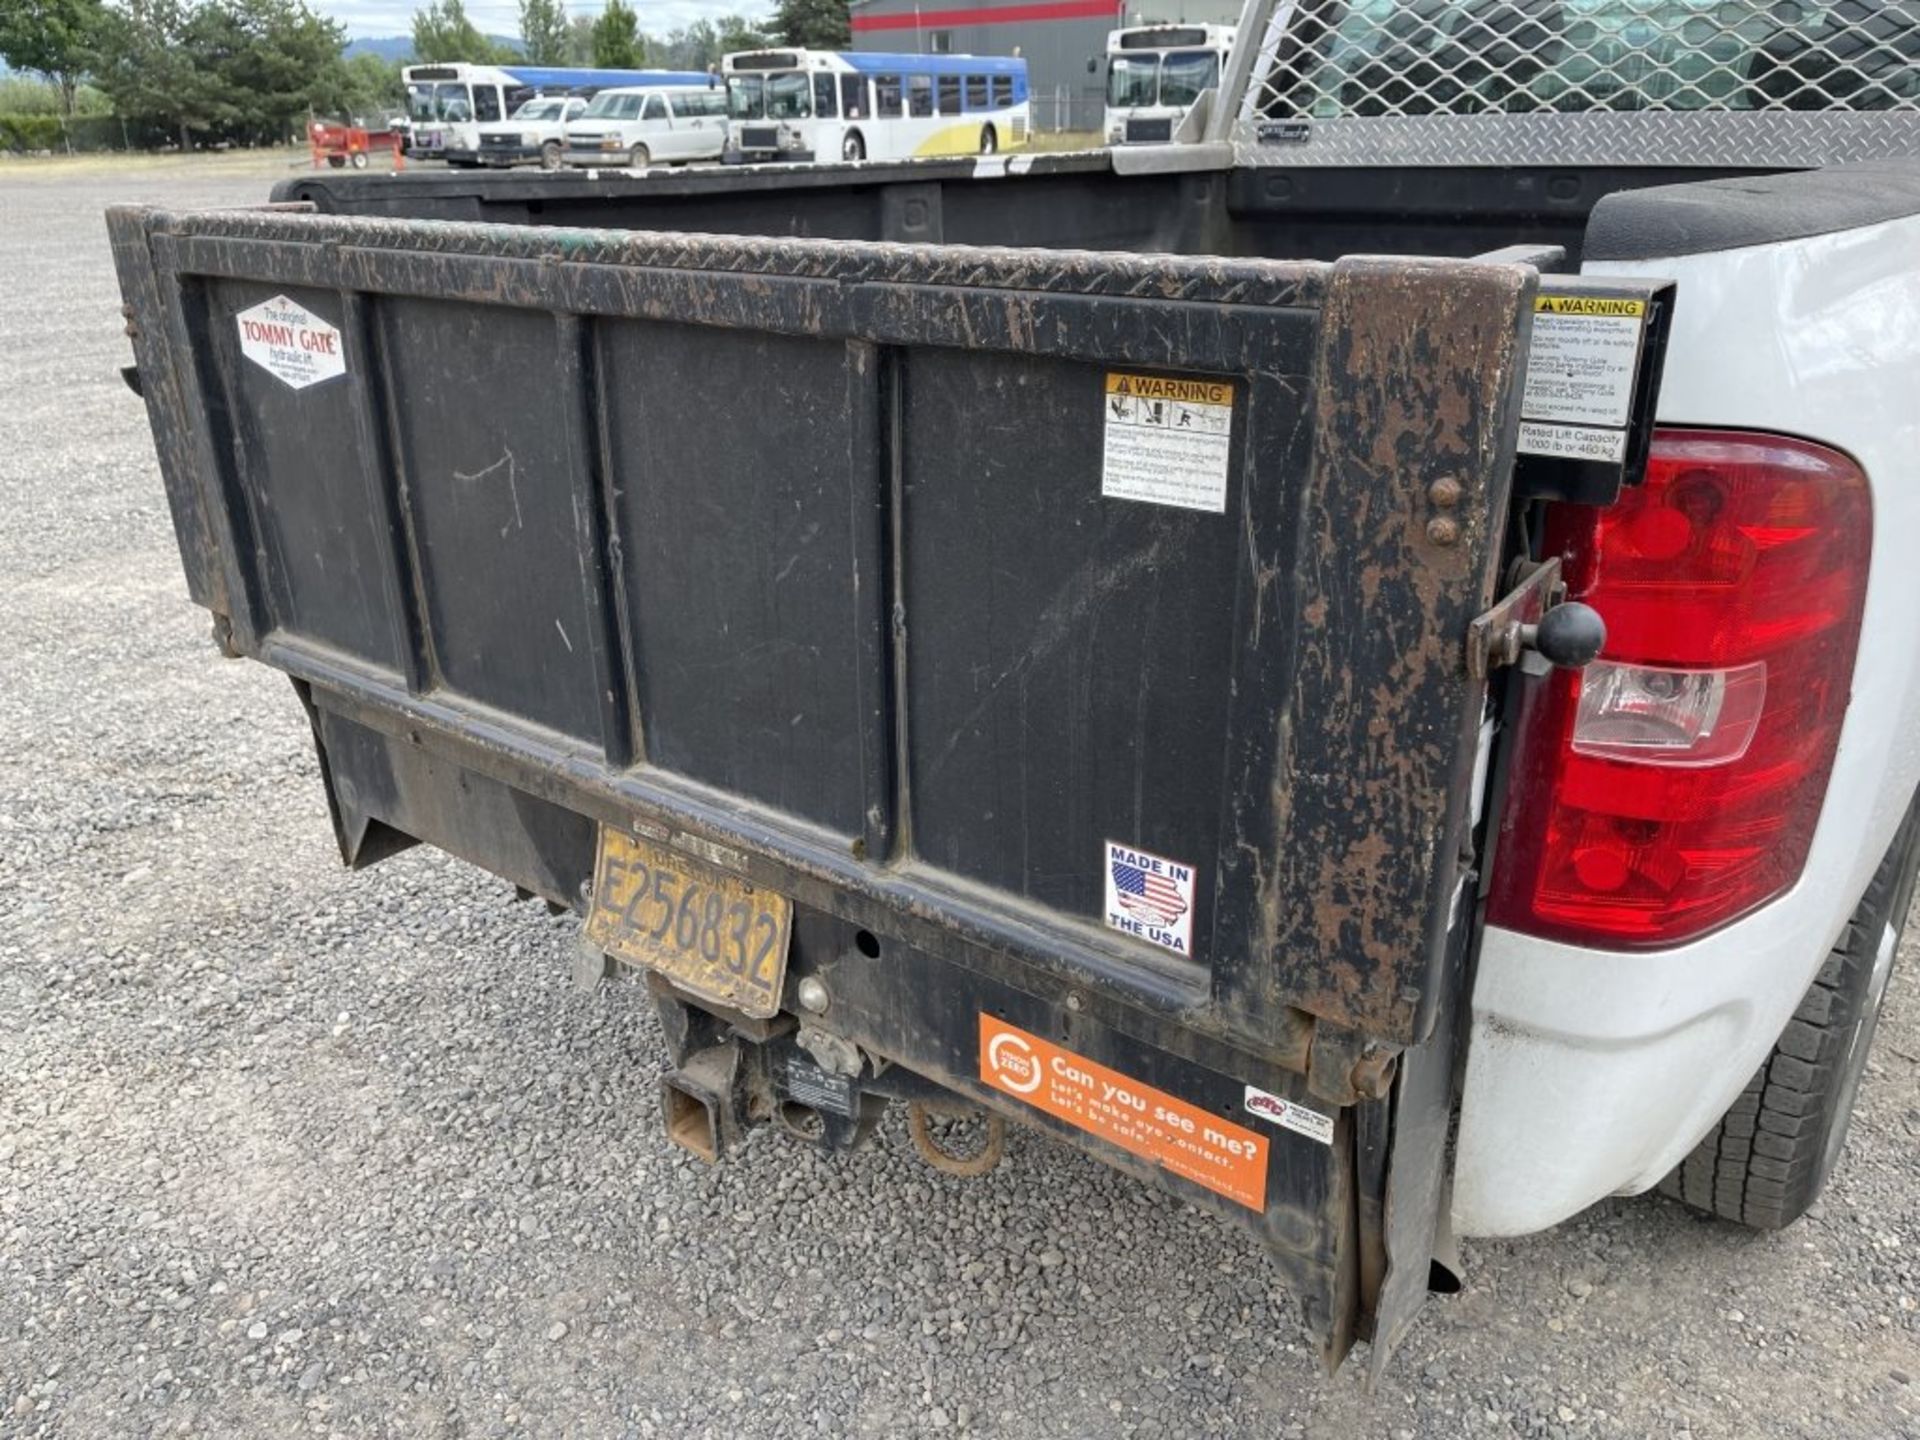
1570	635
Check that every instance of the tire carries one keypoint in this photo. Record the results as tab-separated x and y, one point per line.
336	162
853	147
550	155
639	157
359	160
989	142
1776	1147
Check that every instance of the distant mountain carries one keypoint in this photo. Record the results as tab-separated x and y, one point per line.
387	47
400	47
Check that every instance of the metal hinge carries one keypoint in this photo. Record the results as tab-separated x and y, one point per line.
1535	617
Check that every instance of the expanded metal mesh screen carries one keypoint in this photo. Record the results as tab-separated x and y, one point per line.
1677	81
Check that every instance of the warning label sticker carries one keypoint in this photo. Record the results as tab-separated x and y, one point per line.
1581	363
1182	1139
1573	442
1150	897
1167	441
291	342
1589	305
1289	1114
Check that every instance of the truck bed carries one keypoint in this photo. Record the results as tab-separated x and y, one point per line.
850	572
1144	202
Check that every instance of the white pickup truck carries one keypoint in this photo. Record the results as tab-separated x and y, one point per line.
1359	669
536	132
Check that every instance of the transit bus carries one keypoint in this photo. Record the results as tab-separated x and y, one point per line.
446	104
797	105
1155	73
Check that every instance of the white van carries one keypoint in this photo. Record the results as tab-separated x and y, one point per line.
657	125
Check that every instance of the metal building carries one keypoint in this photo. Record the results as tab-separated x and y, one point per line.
1063	41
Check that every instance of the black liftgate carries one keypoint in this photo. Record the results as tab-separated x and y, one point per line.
838	562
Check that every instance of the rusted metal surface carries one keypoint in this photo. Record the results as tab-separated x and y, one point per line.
920	1116
334	239
876	630
176	439
1415	402
1497	637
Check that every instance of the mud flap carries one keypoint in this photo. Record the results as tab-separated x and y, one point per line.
1415	1232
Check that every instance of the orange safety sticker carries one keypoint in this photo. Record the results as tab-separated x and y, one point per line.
1228	1159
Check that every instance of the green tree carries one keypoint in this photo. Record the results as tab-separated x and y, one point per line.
142	63
242	70
815	24
700	45
543	31
54	38
691	47
737	34
270	62
579	39
616	38
23	94
369	90
442	32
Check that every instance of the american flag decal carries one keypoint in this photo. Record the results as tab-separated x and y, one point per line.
1149	897
1144	894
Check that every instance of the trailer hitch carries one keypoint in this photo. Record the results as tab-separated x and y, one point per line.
1534	617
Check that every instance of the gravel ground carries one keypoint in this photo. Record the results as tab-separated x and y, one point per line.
287	1150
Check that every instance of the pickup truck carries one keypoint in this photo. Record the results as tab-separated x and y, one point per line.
1375	694
536	132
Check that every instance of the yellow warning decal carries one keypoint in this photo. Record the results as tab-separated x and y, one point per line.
1155	387
1588	305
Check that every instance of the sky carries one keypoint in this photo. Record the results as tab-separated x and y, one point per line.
502	17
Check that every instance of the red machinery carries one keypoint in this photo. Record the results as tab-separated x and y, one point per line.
340	145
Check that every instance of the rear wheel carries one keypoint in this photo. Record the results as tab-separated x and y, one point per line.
550	155
639	157
989	142
336	162
853	147
1775	1149
359	161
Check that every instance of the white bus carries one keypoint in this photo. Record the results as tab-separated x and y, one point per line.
1155	73
846	105
447	104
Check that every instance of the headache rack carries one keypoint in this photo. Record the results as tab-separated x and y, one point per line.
1574	82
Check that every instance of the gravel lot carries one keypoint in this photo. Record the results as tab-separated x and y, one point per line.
287	1150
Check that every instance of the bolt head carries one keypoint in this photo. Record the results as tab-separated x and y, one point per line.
1444	492
813	995
1443	530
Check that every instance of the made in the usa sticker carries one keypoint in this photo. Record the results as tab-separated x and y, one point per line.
1150	897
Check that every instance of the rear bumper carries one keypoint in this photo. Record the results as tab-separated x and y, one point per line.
1591	1075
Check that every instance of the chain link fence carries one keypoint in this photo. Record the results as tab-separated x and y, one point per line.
1571	81
1067	108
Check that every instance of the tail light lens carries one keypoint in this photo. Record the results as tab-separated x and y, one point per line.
1674	785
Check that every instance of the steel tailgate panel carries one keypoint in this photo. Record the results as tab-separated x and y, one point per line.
803	545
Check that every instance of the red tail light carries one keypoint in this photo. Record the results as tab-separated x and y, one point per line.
1673	786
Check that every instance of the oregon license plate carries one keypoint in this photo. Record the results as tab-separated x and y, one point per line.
715	935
